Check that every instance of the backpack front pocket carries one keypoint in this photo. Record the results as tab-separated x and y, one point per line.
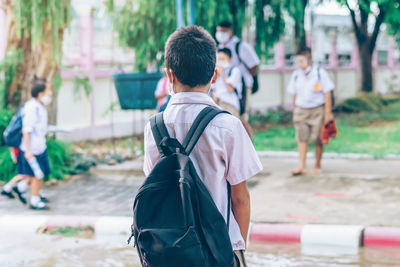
170	247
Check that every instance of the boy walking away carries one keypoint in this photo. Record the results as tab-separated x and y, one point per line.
33	160
311	89
227	90
222	155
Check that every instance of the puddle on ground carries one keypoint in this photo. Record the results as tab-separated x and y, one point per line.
288	255
45	250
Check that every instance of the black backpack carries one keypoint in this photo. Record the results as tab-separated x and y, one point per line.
254	89
175	220
242	97
12	136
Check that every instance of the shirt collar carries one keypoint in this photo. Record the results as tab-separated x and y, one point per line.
192	98
232	41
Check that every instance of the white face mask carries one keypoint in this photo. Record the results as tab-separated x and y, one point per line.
222	37
224	64
171	89
45	99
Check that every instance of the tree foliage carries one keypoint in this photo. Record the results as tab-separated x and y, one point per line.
366	13
270	22
35	17
35	33
144	25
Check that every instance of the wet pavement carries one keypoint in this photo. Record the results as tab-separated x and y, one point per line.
91	195
40	250
363	192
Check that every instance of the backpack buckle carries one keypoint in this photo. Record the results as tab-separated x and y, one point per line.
171	145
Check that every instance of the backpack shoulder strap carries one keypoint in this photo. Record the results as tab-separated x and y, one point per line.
319	74
159	130
199	125
237	46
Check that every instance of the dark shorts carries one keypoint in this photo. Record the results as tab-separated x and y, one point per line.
42	159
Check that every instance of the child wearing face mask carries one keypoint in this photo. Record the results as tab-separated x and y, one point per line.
33	160
227	89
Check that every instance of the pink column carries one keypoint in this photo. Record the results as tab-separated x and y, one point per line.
354	56
279	55
390	56
375	59
333	56
309	39
3	33
87	62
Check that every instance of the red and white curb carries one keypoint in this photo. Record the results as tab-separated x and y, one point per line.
350	236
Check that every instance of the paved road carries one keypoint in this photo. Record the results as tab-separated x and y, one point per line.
348	192
92	195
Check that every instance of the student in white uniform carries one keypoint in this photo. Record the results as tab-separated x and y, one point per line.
33	160
243	56
224	152
310	87
227	89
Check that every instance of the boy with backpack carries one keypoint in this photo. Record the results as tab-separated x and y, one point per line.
311	90
227	90
245	58
28	131
202	159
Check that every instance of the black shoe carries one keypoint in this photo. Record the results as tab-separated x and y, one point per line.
39	206
44	199
20	195
7	194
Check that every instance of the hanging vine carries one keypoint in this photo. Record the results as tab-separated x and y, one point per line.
144	25
35	28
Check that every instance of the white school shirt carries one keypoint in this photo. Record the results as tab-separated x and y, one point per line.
247	55
35	122
303	87
221	91
223	153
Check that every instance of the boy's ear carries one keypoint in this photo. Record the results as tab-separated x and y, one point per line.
214	77
170	75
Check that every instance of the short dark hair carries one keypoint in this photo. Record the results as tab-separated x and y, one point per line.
190	52
226	24
303	51
226	51
38	86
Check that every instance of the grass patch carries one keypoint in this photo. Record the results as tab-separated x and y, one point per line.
376	133
68	231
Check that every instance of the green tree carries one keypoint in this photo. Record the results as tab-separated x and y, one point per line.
144	25
270	22
34	41
365	13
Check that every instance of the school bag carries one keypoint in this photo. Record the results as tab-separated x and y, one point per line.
12	136
242	97
175	220
254	89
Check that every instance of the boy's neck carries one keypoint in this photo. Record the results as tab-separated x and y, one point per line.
186	89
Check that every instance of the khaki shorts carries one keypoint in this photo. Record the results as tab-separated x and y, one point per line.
308	123
240	260
228	107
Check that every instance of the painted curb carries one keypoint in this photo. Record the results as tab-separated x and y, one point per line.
332	235
382	236
276	232
351	236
